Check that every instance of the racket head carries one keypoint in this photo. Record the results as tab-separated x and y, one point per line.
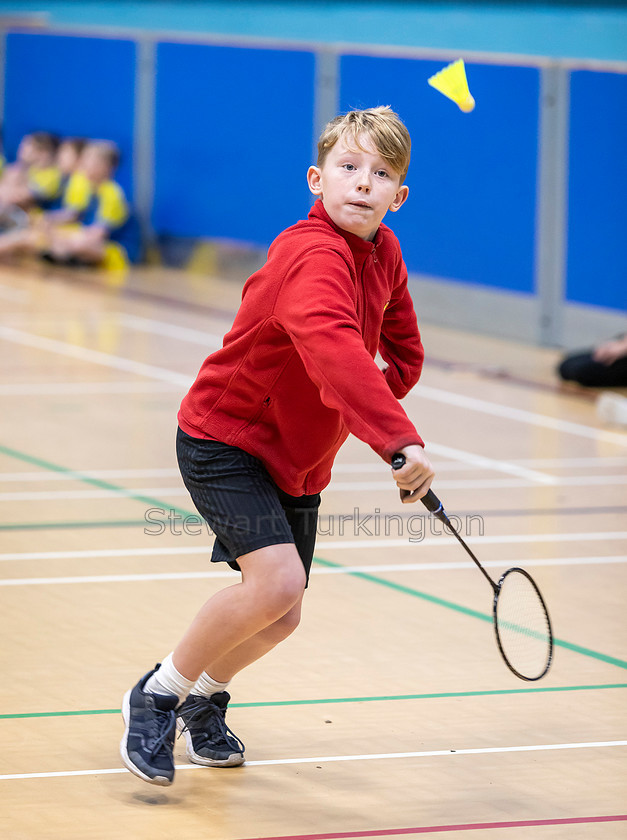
522	625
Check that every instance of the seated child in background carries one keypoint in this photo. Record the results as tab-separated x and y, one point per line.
92	225
604	366
67	162
107	233
34	179
30	232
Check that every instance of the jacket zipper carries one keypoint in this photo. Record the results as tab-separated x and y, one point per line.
266	402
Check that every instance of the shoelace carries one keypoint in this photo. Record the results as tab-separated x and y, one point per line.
163	727
201	711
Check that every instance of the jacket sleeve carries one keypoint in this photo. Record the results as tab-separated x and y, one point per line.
317	307
400	345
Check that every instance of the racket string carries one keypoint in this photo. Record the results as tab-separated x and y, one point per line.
522	624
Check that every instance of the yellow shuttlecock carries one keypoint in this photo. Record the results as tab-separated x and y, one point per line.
452	82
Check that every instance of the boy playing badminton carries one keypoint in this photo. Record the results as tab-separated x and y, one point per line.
261	425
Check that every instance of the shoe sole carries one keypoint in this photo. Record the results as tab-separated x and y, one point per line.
162	781
234	760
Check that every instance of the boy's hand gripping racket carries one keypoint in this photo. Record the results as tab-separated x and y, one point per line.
521	619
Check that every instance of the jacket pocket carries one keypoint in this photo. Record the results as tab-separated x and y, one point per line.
267	401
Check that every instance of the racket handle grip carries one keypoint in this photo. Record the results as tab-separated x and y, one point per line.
432	503
398	461
430	500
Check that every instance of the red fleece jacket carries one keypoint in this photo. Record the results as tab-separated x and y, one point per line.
296	373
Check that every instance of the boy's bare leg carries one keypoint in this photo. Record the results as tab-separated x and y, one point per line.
19	242
273	582
224	669
86	244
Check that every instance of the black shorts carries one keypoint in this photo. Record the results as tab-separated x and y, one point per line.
235	494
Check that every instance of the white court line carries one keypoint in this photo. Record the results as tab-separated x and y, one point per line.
482	483
149	472
377	467
423	391
105	552
388	542
97	357
484	463
60	495
466	461
565	463
506	539
172	472
333	758
337	486
118	578
381	468
518	414
39	389
339	570
209	340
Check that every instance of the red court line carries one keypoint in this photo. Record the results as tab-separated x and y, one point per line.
434	829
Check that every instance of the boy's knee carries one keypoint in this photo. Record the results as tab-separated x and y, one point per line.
286	589
284	626
277	576
290	621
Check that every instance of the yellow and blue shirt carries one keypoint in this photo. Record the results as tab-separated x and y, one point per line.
77	193
104	205
45	183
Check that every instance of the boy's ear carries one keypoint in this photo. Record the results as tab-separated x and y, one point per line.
400	198
314	180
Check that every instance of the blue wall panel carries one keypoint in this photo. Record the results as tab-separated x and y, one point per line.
73	87
471	210
597	211
233	140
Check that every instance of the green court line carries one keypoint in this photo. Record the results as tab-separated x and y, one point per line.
88	479
433	599
407	590
335	700
584	651
40	526
62	714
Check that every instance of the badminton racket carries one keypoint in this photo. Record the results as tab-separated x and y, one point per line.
521	620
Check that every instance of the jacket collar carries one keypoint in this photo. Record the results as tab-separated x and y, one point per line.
360	248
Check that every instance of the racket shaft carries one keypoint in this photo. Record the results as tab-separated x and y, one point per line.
444	518
435	506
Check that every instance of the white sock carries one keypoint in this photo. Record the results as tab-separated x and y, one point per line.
206	686
167	680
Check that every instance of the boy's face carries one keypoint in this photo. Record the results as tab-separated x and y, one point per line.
357	187
27	151
94	165
31	153
67	158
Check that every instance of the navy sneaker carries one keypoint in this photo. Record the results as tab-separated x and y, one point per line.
148	741
209	740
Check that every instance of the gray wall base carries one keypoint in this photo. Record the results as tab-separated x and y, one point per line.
585	326
508	314
475	308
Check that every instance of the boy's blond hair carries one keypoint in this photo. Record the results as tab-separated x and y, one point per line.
382	125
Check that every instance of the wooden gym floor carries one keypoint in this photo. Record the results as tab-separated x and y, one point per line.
389	713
